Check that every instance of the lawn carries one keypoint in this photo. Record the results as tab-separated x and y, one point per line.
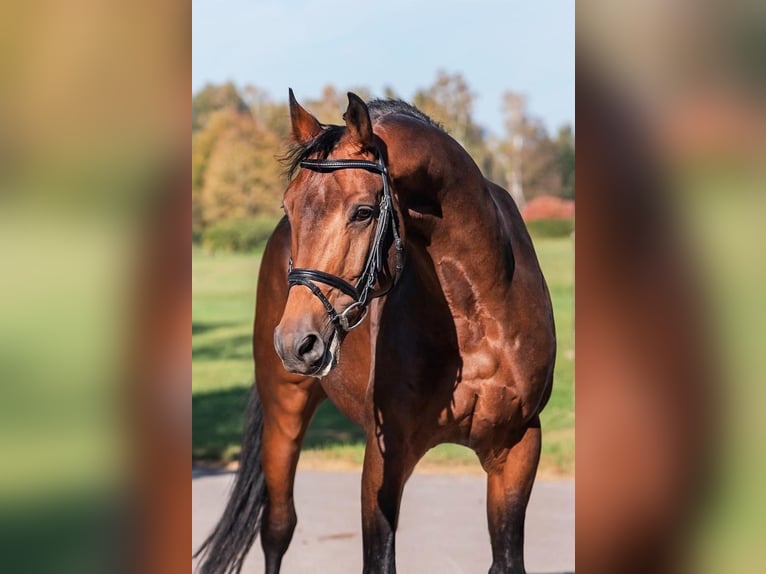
222	371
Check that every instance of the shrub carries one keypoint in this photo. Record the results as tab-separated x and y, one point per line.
548	207
239	234
550	227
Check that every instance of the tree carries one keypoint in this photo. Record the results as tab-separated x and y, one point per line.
540	174
241	177
529	158
234	170
449	101
212	98
514	108
238	134
565	149
390	93
331	104
270	115
203	143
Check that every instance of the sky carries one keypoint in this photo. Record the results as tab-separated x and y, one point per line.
497	45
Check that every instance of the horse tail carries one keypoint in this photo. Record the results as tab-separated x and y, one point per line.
225	549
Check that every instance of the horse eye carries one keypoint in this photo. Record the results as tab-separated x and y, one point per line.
363	213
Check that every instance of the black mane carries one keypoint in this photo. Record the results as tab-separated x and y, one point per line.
328	138
379	108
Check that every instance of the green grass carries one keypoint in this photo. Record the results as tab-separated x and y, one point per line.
557	260
222	370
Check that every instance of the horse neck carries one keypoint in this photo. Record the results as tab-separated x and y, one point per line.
462	233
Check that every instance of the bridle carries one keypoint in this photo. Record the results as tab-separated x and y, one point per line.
361	292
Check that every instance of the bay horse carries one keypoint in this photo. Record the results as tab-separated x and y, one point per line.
404	286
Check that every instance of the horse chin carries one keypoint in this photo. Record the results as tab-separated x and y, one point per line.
331	356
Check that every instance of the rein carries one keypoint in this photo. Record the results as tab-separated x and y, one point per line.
361	292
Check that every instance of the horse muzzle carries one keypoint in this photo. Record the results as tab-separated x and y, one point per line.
305	352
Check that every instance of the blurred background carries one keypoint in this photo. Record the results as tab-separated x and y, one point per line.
670	270
94	304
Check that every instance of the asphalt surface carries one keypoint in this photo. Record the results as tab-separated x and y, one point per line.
442	525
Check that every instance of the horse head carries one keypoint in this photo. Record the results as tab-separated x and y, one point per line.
346	247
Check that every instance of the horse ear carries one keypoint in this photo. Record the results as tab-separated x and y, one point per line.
358	121
305	126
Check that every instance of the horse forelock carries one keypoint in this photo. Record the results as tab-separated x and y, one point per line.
321	146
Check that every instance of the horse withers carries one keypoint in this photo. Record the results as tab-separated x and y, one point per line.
402	285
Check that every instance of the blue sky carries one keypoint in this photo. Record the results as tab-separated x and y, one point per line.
497	45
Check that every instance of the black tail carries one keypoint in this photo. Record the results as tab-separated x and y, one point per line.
225	549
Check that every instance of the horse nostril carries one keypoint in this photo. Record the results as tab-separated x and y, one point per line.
307	345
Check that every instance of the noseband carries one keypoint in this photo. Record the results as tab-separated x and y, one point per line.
360	292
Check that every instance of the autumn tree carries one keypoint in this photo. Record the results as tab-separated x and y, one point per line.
531	161
203	143
234	170
539	173
390	93
565	149
212	98
241	177
450	101
510	149
238	134
328	108
269	114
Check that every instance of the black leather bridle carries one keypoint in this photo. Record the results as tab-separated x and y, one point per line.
361	292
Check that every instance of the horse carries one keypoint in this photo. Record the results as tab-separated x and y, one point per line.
402	285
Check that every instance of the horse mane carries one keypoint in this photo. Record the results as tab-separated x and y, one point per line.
385	107
328	138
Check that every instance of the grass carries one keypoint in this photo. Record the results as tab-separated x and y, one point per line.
222	371
558	419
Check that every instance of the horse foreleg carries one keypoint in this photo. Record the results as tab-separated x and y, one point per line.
509	483
385	471
287	413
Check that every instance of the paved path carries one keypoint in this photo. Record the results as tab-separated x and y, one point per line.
442	527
